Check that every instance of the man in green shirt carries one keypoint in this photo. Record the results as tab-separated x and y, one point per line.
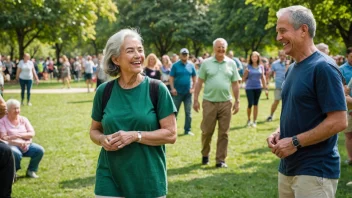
218	73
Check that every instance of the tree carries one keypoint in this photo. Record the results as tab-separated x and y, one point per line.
52	21
334	17
27	19
159	21
8	42
78	20
243	25
198	30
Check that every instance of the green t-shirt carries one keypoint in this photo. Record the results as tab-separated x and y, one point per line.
137	170
218	78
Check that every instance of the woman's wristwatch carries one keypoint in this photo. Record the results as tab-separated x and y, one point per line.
139	135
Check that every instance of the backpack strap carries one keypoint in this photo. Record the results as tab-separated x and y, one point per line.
107	94
153	93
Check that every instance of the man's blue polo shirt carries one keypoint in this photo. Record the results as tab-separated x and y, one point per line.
182	74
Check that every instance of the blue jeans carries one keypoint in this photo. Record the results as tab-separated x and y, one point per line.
187	103
35	152
27	83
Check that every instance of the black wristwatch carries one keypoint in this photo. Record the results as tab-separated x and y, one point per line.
295	142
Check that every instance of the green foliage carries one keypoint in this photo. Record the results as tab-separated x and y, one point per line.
334	18
53	21
242	25
164	23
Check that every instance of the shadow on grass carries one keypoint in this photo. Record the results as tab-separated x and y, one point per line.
238	127
78	182
183	170
77	102
230	182
258	151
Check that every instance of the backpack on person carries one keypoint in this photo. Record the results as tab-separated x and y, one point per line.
153	93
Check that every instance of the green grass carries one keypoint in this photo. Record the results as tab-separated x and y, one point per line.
68	168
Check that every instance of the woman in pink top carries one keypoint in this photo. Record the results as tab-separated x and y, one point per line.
18	132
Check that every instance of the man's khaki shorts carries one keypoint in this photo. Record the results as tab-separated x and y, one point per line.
277	94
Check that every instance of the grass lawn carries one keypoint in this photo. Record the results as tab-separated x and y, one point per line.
68	168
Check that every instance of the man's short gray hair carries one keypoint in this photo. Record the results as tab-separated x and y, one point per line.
322	47
220	39
299	15
12	102
113	47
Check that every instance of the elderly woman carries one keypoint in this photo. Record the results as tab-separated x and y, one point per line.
131	131
18	132
25	73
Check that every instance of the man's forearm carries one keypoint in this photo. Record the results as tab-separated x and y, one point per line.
171	81
335	122
236	90
198	86
194	81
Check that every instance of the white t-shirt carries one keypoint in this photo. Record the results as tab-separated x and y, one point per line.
26	70
88	67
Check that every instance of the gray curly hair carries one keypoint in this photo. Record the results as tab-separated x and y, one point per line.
113	47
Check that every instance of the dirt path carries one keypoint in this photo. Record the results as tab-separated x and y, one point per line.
51	91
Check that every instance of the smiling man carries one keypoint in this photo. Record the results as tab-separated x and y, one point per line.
313	112
218	73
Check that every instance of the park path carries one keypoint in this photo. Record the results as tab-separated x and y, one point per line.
51	91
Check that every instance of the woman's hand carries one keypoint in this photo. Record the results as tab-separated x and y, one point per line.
121	139
104	142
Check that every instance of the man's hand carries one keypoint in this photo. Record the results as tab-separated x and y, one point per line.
191	91
173	92
273	139
196	106
284	148
235	107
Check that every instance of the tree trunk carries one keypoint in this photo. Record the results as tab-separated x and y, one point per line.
346	34
58	49
20	40
95	47
35	50
12	51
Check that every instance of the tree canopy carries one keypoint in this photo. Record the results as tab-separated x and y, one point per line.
83	26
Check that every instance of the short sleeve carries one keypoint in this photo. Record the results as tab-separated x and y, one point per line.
165	103
194	73
329	89
27	124
97	113
172	72
273	68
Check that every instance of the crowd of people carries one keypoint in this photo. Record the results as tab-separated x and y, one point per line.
315	94
88	68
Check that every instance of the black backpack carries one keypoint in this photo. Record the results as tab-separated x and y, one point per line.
153	93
